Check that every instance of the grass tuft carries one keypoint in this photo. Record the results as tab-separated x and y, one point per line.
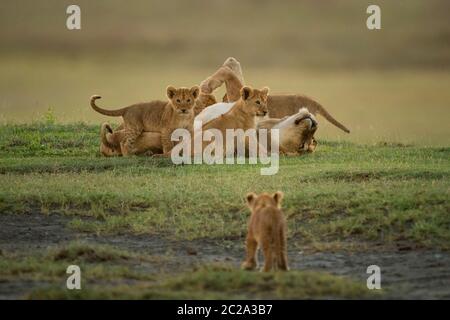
81	252
221	282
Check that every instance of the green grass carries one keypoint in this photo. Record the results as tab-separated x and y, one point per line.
222	282
48	139
343	193
109	273
80	252
97	262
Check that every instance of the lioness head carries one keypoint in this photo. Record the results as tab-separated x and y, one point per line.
255	100
183	99
264	200
297	131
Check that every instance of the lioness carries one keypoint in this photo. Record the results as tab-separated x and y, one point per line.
229	73
267	231
157	116
296	132
279	105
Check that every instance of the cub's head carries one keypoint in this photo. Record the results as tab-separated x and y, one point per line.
264	200
183	99
255	101
108	148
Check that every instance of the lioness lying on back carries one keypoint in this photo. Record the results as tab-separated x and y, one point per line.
157	116
279	105
296	133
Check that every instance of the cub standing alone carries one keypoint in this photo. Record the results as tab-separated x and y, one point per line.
267	231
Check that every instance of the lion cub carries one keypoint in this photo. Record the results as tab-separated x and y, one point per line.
148	143
241	114
156	116
267	231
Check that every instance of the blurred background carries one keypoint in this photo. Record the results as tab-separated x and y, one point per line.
388	85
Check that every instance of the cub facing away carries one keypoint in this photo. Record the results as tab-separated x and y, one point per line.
266	231
155	116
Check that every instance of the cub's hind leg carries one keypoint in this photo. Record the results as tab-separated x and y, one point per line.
268	255
128	143
252	246
282	252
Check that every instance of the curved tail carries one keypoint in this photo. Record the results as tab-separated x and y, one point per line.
106	129
112	113
321	110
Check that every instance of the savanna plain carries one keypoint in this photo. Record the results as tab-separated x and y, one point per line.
142	227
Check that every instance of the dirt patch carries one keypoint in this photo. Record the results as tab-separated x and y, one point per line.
406	274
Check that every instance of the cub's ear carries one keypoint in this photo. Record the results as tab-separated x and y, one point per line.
250	197
195	91
171	91
278	196
246	92
265	91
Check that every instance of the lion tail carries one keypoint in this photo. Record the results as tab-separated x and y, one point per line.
112	113
321	110
105	129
